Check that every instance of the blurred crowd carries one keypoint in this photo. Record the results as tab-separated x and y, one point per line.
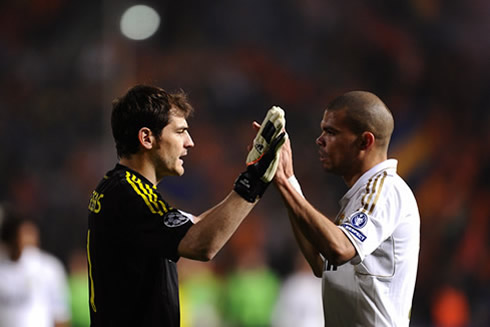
62	62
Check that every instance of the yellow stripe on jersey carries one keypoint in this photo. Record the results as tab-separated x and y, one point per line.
130	178
138	187
379	192
92	292
154	198
164	206
148	191
145	191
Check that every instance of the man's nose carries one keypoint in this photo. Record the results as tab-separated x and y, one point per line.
190	142
320	141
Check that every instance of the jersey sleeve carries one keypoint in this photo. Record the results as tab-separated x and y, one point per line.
176	224
152	224
367	229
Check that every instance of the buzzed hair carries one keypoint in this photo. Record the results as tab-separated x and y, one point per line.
365	112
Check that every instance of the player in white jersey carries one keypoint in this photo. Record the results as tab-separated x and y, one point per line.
368	258
33	288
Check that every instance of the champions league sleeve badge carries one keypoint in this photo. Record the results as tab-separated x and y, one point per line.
175	218
358	219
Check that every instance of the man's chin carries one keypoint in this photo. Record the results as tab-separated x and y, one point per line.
174	172
179	171
329	169
326	166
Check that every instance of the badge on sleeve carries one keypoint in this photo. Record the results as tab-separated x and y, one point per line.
355	232
358	219
175	218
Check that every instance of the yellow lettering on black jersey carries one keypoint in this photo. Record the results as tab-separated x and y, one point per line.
94	203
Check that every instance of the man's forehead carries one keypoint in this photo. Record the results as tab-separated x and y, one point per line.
333	117
331	114
178	121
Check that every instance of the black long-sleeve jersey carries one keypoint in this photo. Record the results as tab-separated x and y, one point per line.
132	241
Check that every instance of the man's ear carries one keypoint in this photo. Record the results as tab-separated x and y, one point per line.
367	140
145	136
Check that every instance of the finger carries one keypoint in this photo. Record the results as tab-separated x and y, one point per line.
256	125
278	141
288	142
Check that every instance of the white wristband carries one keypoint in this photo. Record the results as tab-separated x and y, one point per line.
295	184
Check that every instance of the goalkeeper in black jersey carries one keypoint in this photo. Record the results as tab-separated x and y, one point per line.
134	236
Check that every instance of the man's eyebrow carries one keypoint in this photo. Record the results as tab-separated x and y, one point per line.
183	126
330	128
325	126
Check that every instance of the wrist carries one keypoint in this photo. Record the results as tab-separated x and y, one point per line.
293	181
249	186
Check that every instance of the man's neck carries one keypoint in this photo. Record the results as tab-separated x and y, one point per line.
142	166
351	179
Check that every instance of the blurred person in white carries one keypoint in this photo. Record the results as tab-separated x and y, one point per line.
300	299
368	255
33	287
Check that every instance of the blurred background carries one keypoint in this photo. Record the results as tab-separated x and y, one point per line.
62	62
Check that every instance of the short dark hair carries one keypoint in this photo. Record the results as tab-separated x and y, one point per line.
144	106
11	221
366	112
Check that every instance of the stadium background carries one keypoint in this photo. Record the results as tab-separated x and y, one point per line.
62	62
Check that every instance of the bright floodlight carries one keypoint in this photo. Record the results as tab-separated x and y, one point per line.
139	22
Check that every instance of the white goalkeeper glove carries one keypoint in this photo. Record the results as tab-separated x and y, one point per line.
263	158
274	123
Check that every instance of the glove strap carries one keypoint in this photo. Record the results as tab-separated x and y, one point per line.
249	186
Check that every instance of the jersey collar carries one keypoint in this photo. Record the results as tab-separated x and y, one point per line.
385	165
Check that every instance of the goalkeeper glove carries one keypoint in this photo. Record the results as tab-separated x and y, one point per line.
263	158
273	124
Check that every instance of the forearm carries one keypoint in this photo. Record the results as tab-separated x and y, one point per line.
317	229
310	252
214	228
